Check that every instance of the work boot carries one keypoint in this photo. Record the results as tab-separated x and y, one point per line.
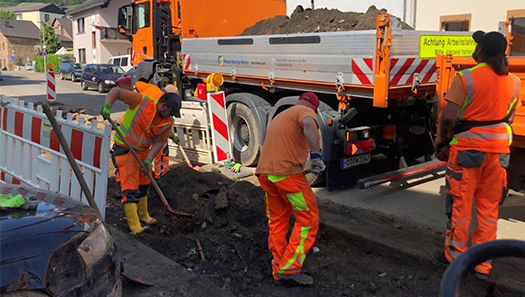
130	209
440	259
296	279
143	211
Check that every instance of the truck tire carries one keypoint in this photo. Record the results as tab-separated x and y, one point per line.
26	294
245	134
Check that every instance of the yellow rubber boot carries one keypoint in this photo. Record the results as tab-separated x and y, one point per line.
130	209
143	211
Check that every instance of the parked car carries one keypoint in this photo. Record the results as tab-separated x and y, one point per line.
122	61
57	247
125	80
71	71
100	76
1	77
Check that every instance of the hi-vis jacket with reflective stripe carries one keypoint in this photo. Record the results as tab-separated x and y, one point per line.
136	125
490	98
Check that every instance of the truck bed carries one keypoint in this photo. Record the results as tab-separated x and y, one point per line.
310	59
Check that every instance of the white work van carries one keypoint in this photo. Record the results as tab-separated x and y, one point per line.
123	61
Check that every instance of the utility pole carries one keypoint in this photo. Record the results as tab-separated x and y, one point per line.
312	4
44	47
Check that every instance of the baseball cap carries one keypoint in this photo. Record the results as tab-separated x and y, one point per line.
174	103
310	97
492	43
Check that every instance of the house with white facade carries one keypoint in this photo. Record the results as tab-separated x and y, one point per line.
36	12
95	35
472	15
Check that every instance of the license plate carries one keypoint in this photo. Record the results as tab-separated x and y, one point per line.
355	161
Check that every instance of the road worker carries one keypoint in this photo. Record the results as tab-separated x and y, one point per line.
481	106
146	125
291	135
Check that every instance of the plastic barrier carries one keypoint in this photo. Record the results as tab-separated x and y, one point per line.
30	153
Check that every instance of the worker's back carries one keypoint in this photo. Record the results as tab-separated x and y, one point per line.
285	149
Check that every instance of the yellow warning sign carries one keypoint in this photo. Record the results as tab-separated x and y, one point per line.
457	45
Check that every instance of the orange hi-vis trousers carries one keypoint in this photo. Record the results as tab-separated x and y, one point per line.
133	182
473	175
284	195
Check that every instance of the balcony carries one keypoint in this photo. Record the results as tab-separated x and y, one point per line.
112	35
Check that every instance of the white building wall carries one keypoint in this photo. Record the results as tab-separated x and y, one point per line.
485	14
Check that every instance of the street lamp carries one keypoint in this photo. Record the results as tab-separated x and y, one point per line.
44	46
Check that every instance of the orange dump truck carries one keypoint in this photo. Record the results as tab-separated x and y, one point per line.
377	87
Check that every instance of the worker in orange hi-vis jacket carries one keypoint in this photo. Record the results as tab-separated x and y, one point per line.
481	105
146	126
292	136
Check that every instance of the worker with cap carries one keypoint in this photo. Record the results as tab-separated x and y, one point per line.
481	105
292	136
146	126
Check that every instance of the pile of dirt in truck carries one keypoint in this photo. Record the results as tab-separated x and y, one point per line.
226	239
318	20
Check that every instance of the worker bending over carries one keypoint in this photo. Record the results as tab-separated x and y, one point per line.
481	105
291	135
146	125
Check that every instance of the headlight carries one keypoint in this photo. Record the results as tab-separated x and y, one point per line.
109	82
95	246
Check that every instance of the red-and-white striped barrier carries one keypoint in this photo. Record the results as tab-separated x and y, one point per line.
51	86
186	61
402	71
30	153
219	126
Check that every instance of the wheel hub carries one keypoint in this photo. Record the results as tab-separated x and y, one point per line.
241	136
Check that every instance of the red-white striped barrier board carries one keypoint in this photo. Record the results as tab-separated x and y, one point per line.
186	61
30	153
402	71
51	86
219	126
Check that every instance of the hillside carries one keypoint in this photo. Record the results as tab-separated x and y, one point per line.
59	3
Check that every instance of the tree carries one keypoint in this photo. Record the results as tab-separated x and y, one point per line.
53	44
7	15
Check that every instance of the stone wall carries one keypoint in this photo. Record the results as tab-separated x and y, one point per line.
23	48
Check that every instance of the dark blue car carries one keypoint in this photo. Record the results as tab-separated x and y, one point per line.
61	247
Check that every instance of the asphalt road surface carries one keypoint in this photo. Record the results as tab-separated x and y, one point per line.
30	86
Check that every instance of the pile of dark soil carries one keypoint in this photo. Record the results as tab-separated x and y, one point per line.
318	20
226	240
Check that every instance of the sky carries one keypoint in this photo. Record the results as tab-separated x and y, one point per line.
394	7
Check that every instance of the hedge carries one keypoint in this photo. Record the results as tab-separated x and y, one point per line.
53	59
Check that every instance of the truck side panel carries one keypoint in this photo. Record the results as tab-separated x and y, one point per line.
225	17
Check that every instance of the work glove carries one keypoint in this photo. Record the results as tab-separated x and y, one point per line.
106	110
147	165
317	162
175	139
236	168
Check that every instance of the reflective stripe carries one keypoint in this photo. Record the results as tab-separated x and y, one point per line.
297	200
462	221
163	129
299	249
276	178
267	206
490	221
455	243
482	136
469	81
509	132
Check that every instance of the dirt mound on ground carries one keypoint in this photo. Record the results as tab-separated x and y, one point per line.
318	20
229	228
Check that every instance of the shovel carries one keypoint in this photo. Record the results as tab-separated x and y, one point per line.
153	182
188	162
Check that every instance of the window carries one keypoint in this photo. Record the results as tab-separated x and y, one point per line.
18	16
517	29
46	17
124	62
518	37
455	22
116	61
80	25
140	16
82	55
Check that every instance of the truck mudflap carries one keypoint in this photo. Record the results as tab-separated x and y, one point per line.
420	170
